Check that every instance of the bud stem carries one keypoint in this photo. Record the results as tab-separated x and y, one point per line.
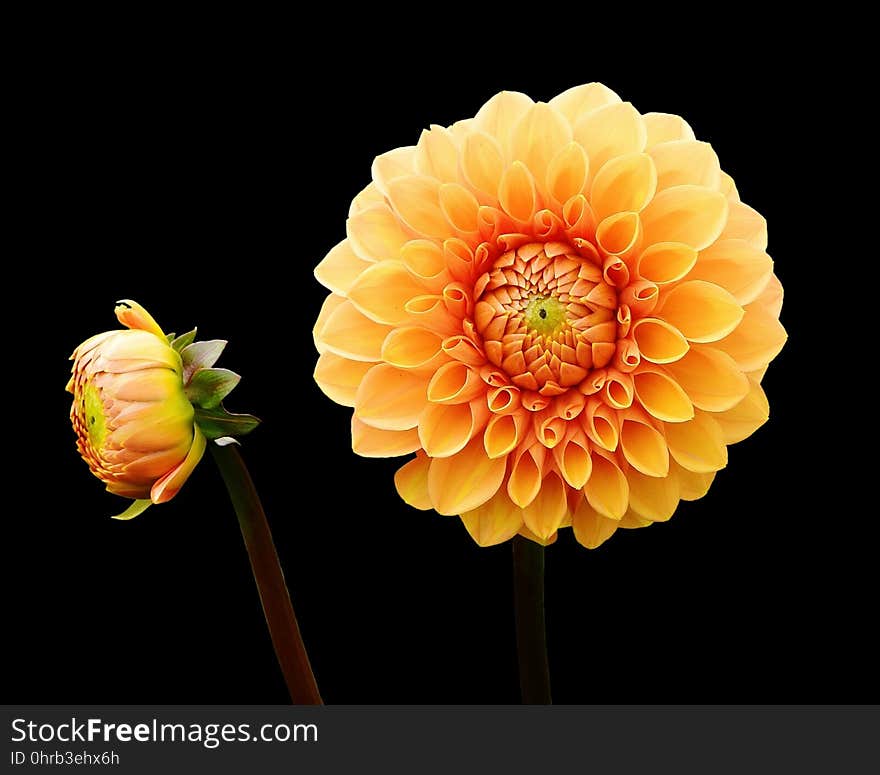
280	617
531	635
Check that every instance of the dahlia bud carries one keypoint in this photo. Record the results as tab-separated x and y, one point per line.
144	405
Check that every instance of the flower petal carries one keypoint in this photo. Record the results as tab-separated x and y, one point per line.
132	315
654	498
746	224
137	507
576	102
746	417
466	480
482	164
658	341
703	312
756	341
376	234
412	347
666	262
661	396
690	214
591	529
697	445
445	429
544	515
391	399
691	485
624	184
460	207
686	162
352	335
416	200
500	114
340	268
339	377
411	481
644	448
496	521
711	378
394	164
536	138
607	490
610	131
437	154
665	127
367	441
382	291
736	266
516	192
169	485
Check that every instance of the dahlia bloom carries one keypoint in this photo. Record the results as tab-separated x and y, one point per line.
143	405
563	309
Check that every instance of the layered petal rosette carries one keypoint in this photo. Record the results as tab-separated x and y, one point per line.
563	309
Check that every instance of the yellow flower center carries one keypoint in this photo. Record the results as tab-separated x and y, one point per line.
93	408
545	314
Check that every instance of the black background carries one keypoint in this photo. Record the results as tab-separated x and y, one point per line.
206	178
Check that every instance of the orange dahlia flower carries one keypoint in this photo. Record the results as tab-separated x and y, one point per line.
563	309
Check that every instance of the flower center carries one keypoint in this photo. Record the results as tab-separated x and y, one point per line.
546	315
93	415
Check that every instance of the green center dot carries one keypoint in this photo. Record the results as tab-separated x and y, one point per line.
545	315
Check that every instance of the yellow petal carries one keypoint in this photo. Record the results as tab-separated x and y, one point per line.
411	481
771	297
367	197
503	433
658	341
697	445
711	378
350	334
339	378
745	224
460	207
631	520
545	513
537	137
391	399
412	347
666	127
134	316
567	173
703	312
416	200
577	101
516	192
689	214
445	429
169	485
500	114
574	461
661	396
376	234
607	490
525	477
666	262
425	261
367	441
644	448
496	521
691	485
340	268
610	131
619	234
394	164
437	154
327	308
756	341
737	267
746	417
591	529
464	481
455	383
382	291
624	184
686	162
652	497
482	164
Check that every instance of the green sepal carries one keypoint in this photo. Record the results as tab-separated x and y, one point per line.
169	338
137	507
184	340
217	422
208	387
200	355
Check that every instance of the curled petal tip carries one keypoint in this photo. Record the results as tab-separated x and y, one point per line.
133	315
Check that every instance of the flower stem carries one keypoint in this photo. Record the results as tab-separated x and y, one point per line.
531	635
278	609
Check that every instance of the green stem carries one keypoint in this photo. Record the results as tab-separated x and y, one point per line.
531	635
278	609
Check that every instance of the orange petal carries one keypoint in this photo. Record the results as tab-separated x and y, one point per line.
460	207
662	396
737	267
711	378
500	114
339	378
658	341
412	347
169	485
644	448
367	441
666	262
340	268
348	333
382	291
576	102
437	154
416	200
525	476
503	433
455	383
376	234
544	515
464	481
391	399
610	131
625	183
482	164
703	312
607	490
365	198
652	497
445	429
619	234
698	444
689	214
665	127
496	521
691	485
745	224
574	460
567	173
591	529
133	315
746	417
516	192
394	164
537	137
425	261
756	341
327	308
411	481
686	162
771	297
